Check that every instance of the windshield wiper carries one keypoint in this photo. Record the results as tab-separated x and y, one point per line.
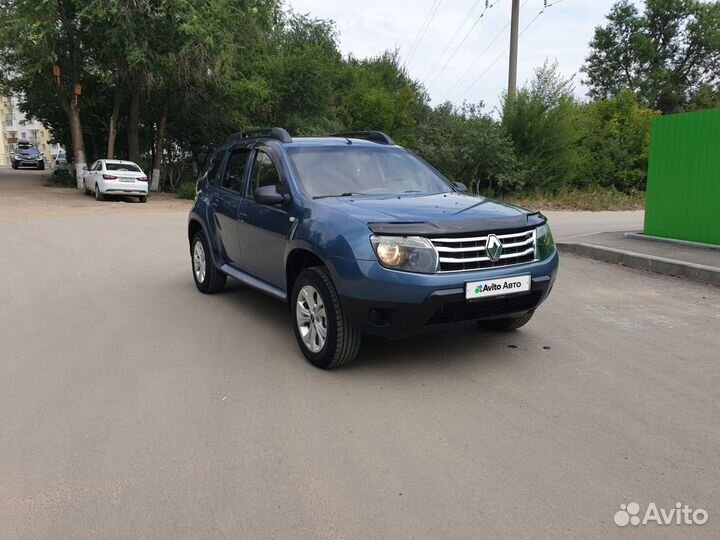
347	194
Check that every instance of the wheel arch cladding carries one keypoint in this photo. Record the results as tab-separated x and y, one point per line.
297	260
193	227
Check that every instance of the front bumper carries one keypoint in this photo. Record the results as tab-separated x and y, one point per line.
28	163
407	303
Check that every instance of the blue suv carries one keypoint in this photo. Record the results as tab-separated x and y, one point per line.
360	236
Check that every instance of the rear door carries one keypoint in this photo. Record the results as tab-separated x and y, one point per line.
91	175
263	229
226	203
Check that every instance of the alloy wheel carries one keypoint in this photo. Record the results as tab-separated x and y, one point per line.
199	264
311	318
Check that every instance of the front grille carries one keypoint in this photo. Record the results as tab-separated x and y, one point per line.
478	309
465	253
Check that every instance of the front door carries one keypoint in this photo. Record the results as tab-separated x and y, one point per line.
264	229
226	204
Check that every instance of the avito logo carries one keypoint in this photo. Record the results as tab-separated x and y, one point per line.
508	285
680	515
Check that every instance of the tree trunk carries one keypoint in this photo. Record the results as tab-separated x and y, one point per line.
159	150
78	143
133	127
113	125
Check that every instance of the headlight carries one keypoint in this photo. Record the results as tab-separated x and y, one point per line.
408	253
545	243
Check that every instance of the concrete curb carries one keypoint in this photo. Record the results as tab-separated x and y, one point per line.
641	261
685	243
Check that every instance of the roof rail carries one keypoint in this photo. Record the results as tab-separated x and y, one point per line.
374	136
273	133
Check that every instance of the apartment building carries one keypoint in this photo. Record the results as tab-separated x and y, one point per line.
15	126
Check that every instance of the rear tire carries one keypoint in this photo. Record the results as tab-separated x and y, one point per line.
208	279
143	198
98	196
507	325
316	309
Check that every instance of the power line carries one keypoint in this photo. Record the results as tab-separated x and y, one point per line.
528	25
423	30
488	6
456	33
480	56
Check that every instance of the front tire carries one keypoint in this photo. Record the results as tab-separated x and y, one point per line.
85	188
41	166
324	333
507	325
208	279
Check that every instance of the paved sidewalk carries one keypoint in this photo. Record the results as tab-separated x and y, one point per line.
694	262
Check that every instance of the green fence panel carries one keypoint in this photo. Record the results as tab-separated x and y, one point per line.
683	190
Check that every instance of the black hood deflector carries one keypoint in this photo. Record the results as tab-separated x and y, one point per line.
463	226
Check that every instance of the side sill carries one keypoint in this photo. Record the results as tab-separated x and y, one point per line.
254	282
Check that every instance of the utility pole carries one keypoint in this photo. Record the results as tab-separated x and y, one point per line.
514	24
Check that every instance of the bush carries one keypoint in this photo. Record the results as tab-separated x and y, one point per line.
543	123
616	143
62	178
468	146
185	191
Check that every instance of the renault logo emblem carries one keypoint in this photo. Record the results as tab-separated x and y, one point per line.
493	247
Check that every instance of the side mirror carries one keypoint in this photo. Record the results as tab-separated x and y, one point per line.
85	168
462	188
268	195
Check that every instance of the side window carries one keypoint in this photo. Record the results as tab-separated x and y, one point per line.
235	170
215	164
96	166
264	173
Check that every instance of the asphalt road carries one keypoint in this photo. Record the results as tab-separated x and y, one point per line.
134	407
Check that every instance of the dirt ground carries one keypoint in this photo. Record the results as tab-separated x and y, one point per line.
20	198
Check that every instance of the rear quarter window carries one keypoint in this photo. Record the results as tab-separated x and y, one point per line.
214	165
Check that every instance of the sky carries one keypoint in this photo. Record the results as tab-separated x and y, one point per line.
561	32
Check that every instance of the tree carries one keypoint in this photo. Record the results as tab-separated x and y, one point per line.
42	48
470	147
302	72
668	55
616	142
378	94
543	122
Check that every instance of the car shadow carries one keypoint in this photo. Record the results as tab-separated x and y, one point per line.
441	347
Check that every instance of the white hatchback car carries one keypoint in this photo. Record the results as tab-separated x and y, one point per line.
115	177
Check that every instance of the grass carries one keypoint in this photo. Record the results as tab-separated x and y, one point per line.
592	199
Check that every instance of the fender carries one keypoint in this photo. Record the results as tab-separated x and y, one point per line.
208	226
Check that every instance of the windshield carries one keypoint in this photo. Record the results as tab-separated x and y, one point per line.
333	171
122	167
24	146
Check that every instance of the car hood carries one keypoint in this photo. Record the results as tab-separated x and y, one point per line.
29	153
443	213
